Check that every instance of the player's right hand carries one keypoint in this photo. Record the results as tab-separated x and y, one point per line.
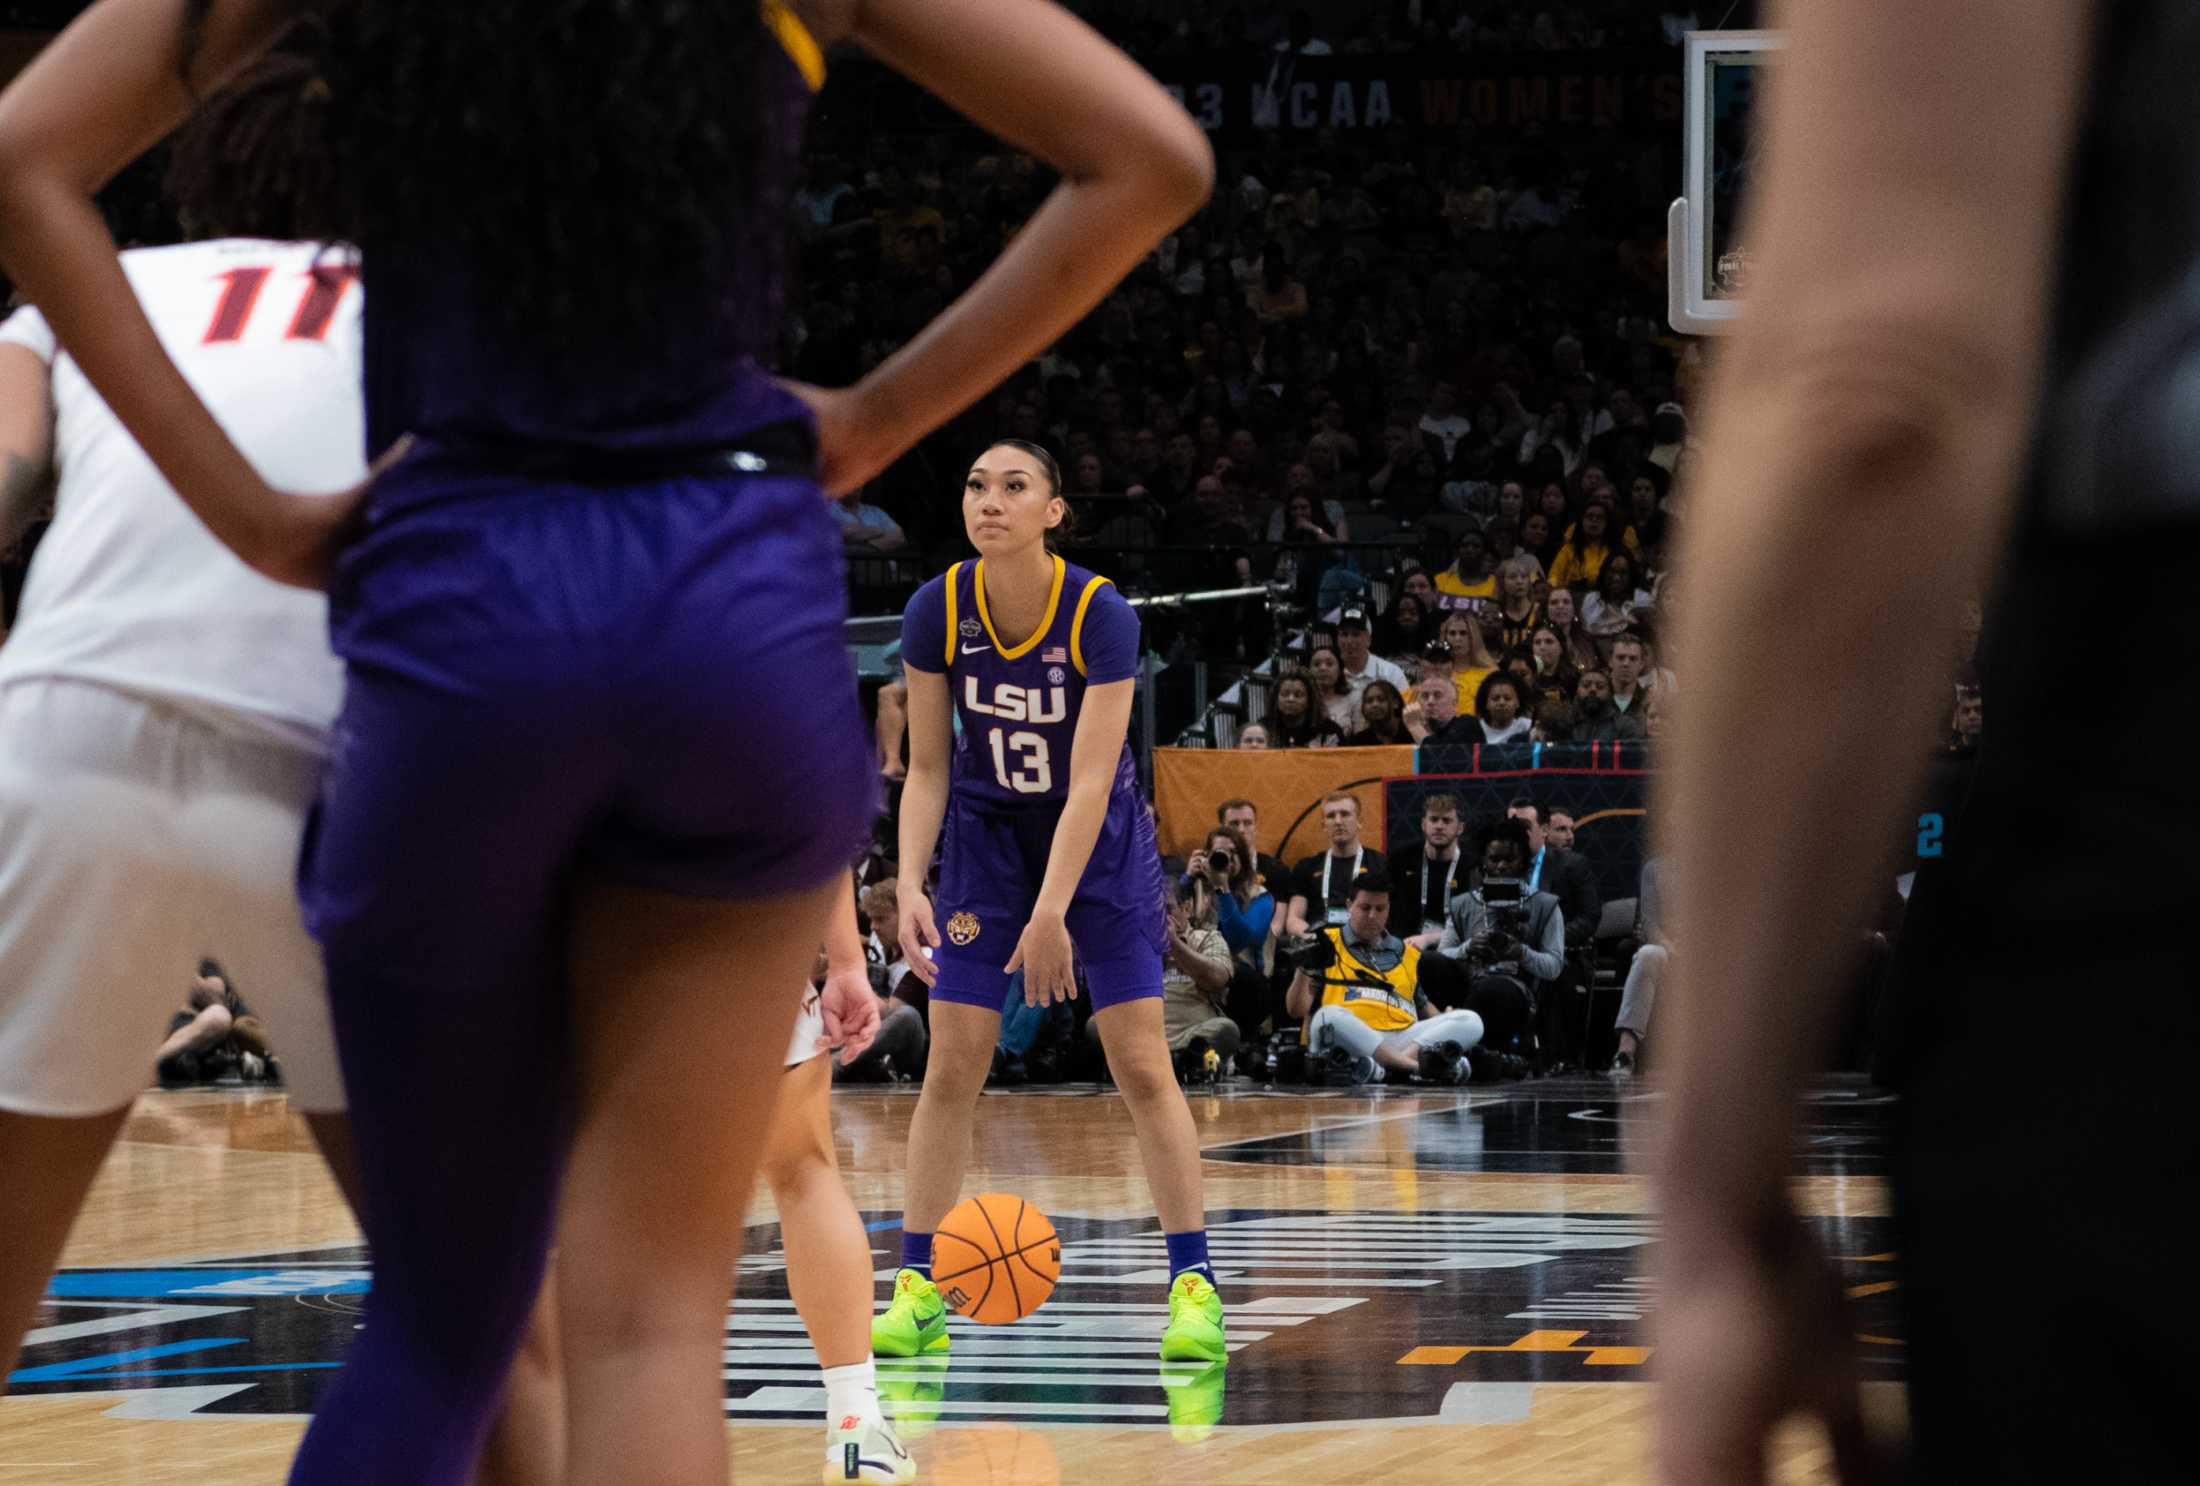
919	936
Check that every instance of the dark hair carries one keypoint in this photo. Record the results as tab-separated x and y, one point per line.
1248	865
1238	804
254	160
1634	570
1506	679
1508	829
1371	882
1522	802
599	178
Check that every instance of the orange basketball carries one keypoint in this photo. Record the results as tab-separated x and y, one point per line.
995	1258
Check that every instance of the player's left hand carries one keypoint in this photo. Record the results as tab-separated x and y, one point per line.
1743	1339
850	1010
297	538
1043	953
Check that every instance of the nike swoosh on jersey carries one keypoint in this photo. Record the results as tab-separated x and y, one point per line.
976	649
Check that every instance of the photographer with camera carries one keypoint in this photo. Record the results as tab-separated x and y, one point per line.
1242	909
1367	1021
1502	943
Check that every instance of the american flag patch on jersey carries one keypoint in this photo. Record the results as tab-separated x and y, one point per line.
1053	655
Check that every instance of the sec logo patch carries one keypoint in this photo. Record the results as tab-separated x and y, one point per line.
962	928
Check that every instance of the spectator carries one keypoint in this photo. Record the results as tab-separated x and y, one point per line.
1466	655
1644	972
1966	722
1581	646
1321	885
1564	875
1610	605
865	527
1539	539
1340	700
1441	869
1499	711
1304	556
1370	1021
1432	716
1518	611
1497	963
1253	735
1655	718
1629	685
1551	675
1588	542
1468	586
1294	721
1443	420
1646	490
1245	911
1405	628
1276	295
1355	644
1382	717
1669	434
1196	969
1305	502
1597	720
1243	817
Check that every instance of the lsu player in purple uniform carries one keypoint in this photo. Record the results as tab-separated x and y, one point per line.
1048	852
602	543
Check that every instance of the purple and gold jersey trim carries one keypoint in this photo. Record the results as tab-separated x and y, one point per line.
1046	621
954	573
797	42
1077	620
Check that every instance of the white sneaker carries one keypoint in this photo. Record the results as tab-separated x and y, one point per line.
865	1448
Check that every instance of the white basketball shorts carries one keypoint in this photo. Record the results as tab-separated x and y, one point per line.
135	840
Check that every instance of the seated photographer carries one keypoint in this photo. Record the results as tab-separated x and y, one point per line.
1236	902
1369	1021
1502	943
1195	984
213	1034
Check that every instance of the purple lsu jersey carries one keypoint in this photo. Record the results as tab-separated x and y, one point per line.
437	363
1019	704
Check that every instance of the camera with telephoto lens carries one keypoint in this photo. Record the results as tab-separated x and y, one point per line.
1506	923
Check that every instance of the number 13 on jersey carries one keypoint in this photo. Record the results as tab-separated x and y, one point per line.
1020	761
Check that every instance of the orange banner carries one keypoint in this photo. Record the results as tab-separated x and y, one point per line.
1286	784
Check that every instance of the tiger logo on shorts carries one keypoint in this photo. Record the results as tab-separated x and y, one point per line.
963	927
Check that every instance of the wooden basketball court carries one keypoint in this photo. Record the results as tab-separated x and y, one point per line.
1419	1285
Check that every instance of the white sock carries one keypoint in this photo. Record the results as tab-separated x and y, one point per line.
851	1390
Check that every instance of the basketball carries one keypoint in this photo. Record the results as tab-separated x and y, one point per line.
995	1258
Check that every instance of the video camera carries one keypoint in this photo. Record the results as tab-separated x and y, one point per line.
1506	898
1313	952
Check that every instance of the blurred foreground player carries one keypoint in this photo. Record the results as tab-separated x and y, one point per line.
165	711
1975	325
604	539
